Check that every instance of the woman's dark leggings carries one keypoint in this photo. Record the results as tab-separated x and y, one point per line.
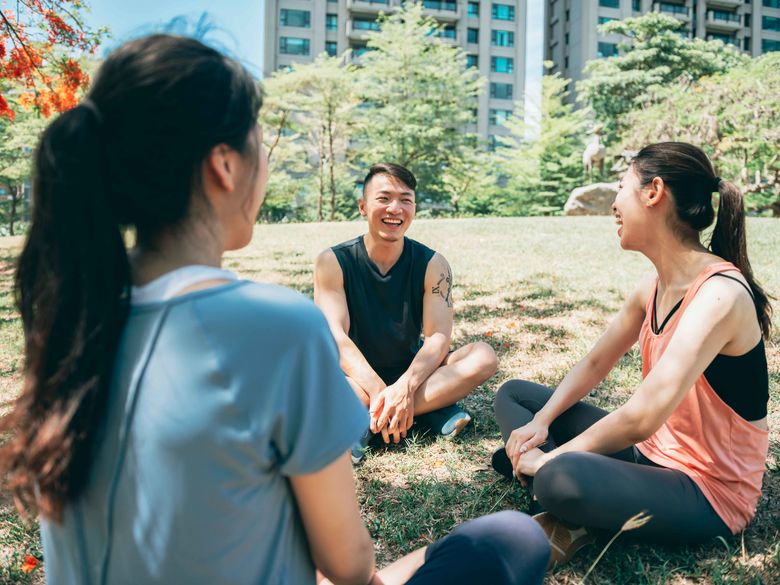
506	548
603	491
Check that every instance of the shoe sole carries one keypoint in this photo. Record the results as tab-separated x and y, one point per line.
553	528
501	463
459	426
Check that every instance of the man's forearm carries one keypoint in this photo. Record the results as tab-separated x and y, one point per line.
356	367
427	360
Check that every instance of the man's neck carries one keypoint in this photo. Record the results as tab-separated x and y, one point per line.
382	252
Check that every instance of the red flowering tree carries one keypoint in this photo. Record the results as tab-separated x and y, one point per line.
39	40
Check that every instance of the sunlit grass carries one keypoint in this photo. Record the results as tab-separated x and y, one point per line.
540	291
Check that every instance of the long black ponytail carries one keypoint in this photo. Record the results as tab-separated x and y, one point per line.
130	155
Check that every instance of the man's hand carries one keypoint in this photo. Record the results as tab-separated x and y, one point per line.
392	412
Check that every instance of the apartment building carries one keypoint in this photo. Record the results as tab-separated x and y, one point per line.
492	32
571	38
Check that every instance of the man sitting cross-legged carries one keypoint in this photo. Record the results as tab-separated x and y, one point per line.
380	292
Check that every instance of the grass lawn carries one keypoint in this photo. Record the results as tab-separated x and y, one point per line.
540	291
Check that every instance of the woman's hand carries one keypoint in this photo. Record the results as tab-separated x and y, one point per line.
525	438
531	462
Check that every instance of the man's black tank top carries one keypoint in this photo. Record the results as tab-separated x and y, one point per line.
385	310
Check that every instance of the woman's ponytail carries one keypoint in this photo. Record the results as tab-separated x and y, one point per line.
130	155
72	289
730	243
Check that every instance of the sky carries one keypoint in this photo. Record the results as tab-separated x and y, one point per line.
237	24
238	28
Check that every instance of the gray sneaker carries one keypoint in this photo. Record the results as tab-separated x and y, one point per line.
447	422
359	448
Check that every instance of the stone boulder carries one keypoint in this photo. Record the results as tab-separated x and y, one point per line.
595	199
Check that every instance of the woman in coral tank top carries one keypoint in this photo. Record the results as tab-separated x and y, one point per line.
689	446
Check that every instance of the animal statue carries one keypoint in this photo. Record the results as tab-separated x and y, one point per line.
594	154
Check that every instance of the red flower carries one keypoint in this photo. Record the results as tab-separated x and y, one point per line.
30	563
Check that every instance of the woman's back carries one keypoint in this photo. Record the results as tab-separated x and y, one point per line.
218	396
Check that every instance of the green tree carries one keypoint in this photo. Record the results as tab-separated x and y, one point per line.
290	177
544	163
418	99
734	117
470	182
653	57
326	113
18	139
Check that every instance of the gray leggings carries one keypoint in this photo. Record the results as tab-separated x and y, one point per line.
603	491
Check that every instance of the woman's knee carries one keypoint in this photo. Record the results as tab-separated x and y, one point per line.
513	392
562	485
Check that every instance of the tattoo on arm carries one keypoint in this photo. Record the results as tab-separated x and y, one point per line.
443	288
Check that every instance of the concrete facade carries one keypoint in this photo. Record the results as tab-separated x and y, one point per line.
572	39
483	29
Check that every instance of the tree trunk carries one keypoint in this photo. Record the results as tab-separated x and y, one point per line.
16	196
321	193
332	163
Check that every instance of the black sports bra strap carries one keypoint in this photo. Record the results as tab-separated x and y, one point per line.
747	288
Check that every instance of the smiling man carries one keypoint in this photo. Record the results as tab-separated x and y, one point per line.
388	301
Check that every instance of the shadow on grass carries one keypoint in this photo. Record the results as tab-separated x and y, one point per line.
534	301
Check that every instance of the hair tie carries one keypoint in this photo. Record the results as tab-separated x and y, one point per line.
92	107
716	183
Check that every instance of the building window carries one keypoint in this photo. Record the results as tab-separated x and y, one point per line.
293	46
331	48
566	39
565	62
363	23
607	50
672	8
722	37
472	61
636	5
331	22
492	143
772	3
503	12
502	38
501	91
473	9
746	44
472	35
768	45
567	15
440	5
299	18
358	50
770	23
499	116
609	3
605	19
447	32
725	15
502	64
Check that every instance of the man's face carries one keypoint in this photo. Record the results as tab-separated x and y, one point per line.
389	206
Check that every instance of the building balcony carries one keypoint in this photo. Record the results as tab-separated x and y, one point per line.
442	10
368	6
726	39
725	3
722	20
676	10
357	28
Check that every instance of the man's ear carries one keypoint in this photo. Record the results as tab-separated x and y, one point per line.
219	168
655	192
362	205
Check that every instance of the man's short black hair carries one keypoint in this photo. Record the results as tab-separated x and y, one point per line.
402	174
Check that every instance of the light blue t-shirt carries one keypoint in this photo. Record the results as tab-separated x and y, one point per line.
218	397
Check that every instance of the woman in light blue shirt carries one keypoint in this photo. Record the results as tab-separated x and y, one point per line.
178	425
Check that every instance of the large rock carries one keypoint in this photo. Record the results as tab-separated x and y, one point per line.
595	199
